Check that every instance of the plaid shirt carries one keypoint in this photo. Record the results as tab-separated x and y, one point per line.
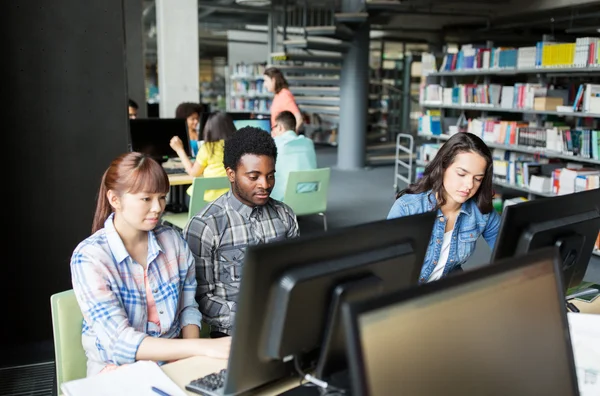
218	237
111	293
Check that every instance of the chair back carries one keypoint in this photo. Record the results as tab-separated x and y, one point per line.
67	320
306	203
199	186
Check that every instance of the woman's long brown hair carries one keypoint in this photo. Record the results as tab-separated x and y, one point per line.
433	177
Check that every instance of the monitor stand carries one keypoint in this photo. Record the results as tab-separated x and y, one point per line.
332	366
569	249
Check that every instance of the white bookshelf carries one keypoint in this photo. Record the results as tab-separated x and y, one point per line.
496	109
513	71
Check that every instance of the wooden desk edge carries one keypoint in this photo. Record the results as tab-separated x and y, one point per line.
181	179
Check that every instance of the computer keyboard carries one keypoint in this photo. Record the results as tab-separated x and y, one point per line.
209	385
174	171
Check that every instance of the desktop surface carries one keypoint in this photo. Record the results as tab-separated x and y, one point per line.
498	335
185	370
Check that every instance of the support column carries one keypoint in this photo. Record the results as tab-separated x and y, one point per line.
354	88
134	54
178	54
271	32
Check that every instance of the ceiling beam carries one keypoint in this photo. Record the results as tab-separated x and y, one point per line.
234	8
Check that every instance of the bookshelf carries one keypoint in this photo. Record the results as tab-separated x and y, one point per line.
246	91
485	107
525	149
592	70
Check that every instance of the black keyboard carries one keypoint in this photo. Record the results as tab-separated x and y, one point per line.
209	385
174	171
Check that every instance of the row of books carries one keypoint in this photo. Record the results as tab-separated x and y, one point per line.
522	96
574	179
248	88
249	104
248	69
544	176
430	123
584	52
563	139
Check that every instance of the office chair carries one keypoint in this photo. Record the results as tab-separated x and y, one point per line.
70	359
308	203
197	202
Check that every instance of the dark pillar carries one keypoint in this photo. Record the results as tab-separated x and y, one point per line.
134	52
354	87
63	121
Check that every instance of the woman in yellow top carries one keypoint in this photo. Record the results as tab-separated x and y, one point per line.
209	161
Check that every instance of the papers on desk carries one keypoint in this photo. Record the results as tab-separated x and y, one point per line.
136	379
585	338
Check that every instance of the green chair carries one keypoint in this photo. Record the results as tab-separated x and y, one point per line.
70	359
308	203
197	202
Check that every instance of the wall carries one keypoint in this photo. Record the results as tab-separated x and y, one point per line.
178	54
239	52
134	51
64	119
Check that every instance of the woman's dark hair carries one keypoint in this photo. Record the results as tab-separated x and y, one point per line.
129	173
279	81
433	177
186	109
219	126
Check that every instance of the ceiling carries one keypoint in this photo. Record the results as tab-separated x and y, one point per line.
505	22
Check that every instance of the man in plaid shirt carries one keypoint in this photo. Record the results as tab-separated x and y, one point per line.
244	216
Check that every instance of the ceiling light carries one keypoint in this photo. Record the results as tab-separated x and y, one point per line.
254	3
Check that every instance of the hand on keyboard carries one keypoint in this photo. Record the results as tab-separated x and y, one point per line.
209	385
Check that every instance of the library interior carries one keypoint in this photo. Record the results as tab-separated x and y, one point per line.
303	197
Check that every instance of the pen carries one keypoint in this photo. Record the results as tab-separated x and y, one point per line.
160	392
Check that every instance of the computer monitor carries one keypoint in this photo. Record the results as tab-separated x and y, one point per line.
495	331
570	222
264	124
287	288
152	136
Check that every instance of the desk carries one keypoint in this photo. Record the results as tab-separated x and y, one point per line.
184	371
590	308
180	179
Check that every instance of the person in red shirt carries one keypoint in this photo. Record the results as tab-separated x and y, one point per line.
283	100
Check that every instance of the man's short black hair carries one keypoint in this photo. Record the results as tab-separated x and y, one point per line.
287	119
248	140
133	104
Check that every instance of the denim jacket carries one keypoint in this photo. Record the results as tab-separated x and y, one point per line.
469	225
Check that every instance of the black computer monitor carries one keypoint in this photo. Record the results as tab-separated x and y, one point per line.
495	331
287	290
264	124
570	222
152	136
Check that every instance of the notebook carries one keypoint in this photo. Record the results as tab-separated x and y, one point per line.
136	379
585	338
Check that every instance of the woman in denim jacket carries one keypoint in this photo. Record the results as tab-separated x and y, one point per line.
457	184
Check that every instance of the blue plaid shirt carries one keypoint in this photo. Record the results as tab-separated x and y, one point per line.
111	293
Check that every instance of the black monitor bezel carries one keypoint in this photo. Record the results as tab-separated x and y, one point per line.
351	311
181	132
